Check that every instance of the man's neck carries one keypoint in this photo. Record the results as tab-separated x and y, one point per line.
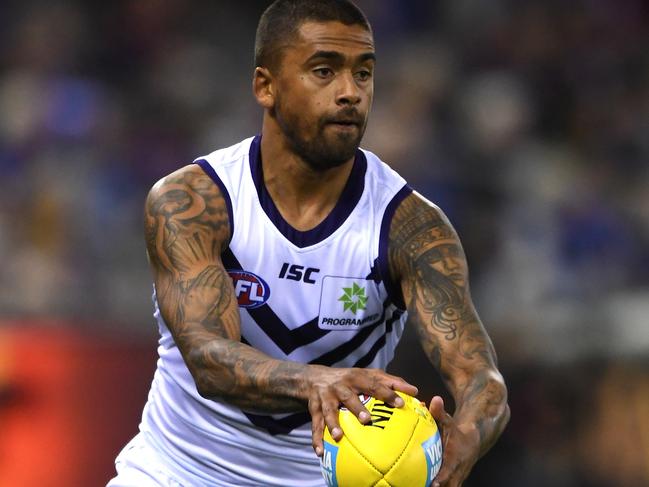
303	195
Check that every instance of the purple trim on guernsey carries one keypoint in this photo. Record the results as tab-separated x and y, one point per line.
209	170
394	293
348	200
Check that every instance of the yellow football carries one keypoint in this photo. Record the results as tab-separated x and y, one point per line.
401	447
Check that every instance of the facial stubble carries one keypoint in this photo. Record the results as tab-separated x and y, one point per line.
325	148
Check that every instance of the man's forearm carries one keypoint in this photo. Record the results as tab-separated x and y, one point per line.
247	378
482	405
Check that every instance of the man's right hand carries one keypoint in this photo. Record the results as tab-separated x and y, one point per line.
329	388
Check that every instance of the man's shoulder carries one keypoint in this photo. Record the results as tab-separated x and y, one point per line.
418	219
381	173
416	206
198	174
225	155
185	184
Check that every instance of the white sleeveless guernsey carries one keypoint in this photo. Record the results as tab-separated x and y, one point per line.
322	297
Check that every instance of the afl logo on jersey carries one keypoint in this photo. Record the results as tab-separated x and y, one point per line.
250	289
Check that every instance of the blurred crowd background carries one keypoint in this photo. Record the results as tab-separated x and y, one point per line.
527	121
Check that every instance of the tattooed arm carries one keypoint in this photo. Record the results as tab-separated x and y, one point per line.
187	228
426	258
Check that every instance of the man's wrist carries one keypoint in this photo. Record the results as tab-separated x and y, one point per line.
308	381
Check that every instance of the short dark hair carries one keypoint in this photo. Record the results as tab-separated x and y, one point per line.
281	21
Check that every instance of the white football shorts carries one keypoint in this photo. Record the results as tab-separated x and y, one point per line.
140	465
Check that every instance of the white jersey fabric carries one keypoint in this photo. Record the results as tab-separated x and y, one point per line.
320	297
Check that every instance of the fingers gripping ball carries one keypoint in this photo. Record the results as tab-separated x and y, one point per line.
401	447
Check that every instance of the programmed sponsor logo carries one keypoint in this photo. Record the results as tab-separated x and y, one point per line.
354	298
250	289
348	303
342	323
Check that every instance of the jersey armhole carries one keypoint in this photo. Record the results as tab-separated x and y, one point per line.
393	289
209	170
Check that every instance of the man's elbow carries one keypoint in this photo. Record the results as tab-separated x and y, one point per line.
495	396
205	387
505	417
213	380
499	399
497	411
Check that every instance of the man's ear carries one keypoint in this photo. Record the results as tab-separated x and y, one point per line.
263	87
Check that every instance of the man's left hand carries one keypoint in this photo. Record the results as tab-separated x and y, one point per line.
461	445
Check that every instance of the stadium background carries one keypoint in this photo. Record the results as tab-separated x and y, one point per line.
527	121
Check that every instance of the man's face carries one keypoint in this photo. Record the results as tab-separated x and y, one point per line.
324	91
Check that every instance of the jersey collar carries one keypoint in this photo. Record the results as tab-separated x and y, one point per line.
348	200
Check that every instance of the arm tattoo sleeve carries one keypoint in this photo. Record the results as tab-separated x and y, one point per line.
186	230
427	258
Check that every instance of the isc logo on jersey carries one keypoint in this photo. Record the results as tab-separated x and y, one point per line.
250	289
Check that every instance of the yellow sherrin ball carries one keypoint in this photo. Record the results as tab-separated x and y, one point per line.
401	447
